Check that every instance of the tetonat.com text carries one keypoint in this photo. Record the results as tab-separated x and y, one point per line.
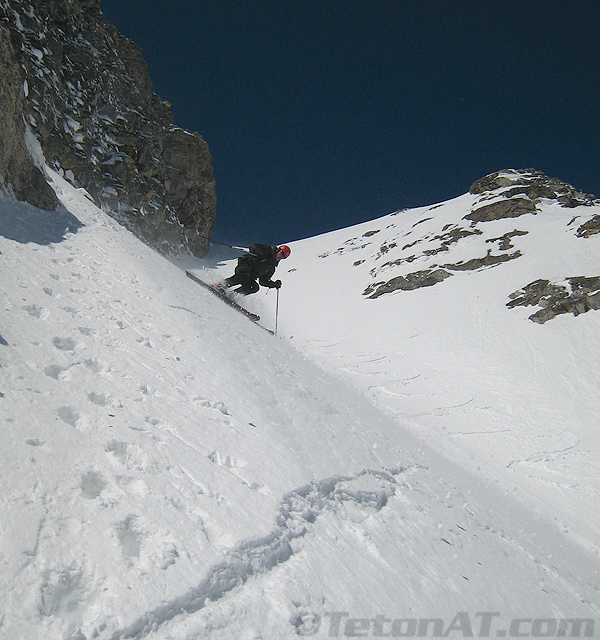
486	624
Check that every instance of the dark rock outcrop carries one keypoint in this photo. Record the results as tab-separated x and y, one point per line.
533	184
18	170
430	277
510	208
516	193
577	296
91	104
501	195
416	280
589	228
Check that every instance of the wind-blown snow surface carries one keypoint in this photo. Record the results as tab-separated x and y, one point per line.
514	401
170	470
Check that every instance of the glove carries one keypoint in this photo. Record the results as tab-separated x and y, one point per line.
277	284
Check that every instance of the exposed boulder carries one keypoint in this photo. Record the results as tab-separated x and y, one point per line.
578	295
511	208
589	228
488	260
410	282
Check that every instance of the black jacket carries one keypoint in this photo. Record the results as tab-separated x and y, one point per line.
260	263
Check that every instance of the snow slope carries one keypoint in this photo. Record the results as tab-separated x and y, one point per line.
515	402
170	470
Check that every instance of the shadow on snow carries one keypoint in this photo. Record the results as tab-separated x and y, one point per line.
22	222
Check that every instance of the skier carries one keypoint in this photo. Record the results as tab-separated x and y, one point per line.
260	262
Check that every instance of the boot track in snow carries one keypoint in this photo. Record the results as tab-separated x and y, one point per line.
298	511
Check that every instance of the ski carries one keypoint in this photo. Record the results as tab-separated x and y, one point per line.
222	294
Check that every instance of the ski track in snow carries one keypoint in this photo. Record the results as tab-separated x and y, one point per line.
297	512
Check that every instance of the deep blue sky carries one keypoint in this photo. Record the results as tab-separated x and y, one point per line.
321	114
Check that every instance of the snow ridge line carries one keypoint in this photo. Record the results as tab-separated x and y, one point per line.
298	510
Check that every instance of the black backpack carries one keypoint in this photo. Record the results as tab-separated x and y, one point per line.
261	251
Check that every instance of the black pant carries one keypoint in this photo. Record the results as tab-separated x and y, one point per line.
248	284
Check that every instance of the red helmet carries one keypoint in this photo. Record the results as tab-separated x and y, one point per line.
285	250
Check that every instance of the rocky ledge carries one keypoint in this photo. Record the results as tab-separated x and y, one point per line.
526	186
577	295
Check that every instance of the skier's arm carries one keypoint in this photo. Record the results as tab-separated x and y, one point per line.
271	284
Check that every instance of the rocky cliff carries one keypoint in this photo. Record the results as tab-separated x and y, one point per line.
17	166
87	97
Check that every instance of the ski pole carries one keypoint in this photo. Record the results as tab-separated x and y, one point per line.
277	312
231	246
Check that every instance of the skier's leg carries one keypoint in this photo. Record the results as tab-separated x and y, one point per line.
247	287
232	281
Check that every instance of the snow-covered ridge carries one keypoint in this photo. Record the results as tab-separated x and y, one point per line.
441	241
